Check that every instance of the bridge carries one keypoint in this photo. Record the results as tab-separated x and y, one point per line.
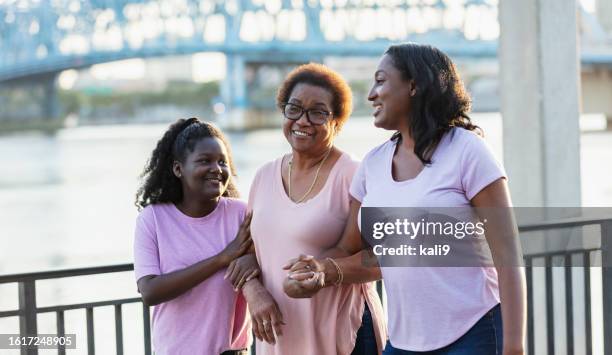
39	39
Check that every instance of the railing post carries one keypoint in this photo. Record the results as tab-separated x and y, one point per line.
27	319
606	268
147	329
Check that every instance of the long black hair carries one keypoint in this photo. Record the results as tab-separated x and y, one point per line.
440	102
160	185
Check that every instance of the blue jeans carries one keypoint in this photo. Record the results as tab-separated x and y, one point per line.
366	339
484	338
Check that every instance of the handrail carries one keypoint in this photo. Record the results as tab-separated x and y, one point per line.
56	274
563	223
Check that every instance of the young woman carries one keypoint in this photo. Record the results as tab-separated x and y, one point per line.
188	231
434	159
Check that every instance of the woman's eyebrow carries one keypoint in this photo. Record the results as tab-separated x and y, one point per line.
320	104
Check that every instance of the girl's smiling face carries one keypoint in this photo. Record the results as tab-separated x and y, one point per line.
205	171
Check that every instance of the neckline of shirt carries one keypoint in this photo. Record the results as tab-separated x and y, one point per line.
426	168
197	220
281	190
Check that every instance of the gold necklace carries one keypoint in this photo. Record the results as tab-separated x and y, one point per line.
313	181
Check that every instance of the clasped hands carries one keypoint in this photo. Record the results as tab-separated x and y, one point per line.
305	277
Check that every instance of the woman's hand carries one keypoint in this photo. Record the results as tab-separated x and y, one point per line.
306	277
304	263
303	284
265	314
240	244
241	270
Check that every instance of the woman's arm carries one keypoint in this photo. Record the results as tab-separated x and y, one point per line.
243	269
265	314
355	262
156	289
353	258
493	204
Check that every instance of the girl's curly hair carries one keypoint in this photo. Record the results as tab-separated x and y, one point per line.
441	101
160	185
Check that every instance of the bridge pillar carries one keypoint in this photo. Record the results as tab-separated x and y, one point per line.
540	101
233	93
50	102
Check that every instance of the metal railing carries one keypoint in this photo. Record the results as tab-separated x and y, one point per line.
567	258
28	310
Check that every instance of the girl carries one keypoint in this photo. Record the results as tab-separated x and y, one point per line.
188	231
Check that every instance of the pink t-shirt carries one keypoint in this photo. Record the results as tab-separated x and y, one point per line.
327	323
430	307
210	318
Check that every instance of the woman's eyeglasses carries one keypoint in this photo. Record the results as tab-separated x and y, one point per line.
315	116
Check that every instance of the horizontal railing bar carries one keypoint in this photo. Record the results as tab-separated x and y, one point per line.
55	274
561	253
13	313
68	307
563	223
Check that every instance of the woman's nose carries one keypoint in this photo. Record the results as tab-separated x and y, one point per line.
303	120
372	94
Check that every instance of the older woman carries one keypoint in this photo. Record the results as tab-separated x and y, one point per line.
435	159
300	204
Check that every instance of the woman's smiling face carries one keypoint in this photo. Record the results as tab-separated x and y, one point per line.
301	134
390	95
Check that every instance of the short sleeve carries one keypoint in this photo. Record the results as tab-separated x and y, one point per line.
479	167
253	190
358	185
238	208
146	252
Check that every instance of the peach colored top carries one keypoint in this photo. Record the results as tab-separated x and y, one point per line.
327	323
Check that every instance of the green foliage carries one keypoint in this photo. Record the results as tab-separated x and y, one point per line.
176	93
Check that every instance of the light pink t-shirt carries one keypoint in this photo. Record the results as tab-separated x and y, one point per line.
210	318
430	307
327	323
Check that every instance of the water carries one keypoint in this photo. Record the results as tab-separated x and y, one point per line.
67	200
